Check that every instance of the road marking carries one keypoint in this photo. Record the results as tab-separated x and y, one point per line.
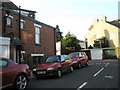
109	77
106	64
81	86
98	63
98	72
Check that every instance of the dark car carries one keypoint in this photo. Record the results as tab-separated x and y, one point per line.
79	59
13	74
55	65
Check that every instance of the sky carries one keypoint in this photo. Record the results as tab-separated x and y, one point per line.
73	16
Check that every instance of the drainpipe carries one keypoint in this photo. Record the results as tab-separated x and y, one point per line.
19	34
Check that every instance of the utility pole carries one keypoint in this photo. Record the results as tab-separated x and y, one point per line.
19	33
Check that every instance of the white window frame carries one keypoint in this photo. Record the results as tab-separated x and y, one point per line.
9	21
22	24
37	33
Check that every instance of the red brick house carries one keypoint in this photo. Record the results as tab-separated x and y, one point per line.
31	39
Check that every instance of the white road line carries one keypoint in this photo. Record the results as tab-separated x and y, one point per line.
98	72
81	86
106	64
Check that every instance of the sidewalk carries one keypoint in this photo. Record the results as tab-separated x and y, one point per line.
105	60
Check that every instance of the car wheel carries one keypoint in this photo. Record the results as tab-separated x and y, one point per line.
86	64
21	82
59	73
71	68
79	65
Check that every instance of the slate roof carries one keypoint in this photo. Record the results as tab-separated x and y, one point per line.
115	23
11	7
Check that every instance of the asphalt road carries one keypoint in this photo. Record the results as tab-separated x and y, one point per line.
98	75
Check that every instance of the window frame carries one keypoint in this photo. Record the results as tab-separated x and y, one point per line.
37	35
22	24
9	21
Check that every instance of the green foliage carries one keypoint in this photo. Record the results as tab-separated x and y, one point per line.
70	44
58	34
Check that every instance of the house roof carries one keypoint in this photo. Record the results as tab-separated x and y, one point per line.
35	21
10	5
90	27
115	23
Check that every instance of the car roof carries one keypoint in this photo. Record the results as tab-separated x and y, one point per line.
75	52
4	58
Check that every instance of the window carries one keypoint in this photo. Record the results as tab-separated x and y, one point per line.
62	58
9	21
83	54
22	24
3	63
111	36
53	59
37	35
66	57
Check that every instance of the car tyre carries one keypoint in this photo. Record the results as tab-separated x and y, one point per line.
71	69
21	82
59	73
86	64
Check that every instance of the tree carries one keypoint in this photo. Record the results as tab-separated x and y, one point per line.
70	44
58	34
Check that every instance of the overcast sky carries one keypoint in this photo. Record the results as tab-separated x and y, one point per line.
75	16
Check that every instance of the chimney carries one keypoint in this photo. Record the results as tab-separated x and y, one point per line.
104	18
95	21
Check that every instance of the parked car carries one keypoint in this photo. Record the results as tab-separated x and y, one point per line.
13	74
55	65
79	59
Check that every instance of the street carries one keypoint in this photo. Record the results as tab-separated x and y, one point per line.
99	74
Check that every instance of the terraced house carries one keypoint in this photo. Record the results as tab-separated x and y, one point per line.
30	40
105	35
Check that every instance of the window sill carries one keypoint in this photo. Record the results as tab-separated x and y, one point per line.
9	26
38	44
23	29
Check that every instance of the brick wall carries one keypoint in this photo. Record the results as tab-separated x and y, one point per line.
47	38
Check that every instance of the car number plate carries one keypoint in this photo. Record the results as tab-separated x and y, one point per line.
41	72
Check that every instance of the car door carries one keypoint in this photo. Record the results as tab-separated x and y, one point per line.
84	58
63	63
81	58
5	73
9	73
68	62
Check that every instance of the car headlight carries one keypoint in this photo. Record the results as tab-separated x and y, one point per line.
34	69
51	68
74	61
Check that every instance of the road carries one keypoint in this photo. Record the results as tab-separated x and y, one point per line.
98	75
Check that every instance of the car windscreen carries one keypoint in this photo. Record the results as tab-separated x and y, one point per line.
3	63
53	59
73	55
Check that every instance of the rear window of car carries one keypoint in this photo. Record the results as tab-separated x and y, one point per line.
73	55
53	59
3	63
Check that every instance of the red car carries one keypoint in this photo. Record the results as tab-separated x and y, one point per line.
13	74
55	65
79	59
